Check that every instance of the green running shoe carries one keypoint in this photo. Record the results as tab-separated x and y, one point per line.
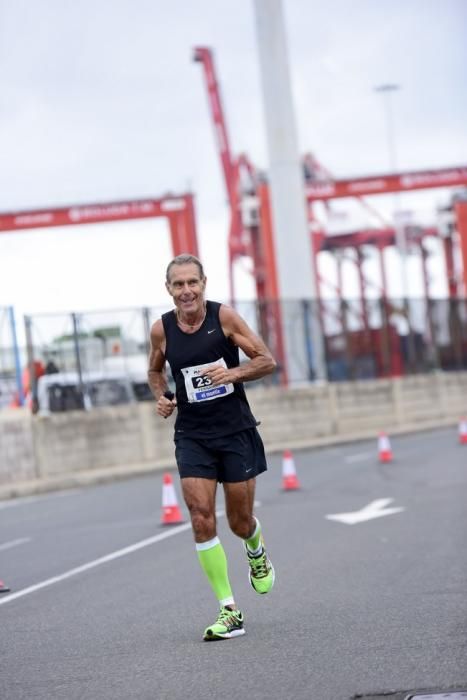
261	573
229	624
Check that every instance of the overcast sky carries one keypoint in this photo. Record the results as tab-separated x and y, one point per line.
101	101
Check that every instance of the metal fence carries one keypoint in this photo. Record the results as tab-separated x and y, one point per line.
10	359
101	357
384	338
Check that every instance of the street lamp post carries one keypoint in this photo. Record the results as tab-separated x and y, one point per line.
387	90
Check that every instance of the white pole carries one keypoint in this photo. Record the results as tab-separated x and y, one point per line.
293	243
386	91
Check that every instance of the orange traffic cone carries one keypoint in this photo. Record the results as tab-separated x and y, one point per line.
3	588
463	431
171	514
289	474
384	448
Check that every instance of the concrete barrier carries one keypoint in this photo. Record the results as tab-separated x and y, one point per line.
17	456
44	452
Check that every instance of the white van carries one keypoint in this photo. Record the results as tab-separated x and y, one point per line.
135	367
60	392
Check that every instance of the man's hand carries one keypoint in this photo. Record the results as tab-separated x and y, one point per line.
166	404
219	375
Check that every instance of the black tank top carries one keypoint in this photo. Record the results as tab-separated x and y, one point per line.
203	410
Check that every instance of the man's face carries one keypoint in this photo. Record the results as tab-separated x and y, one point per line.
186	287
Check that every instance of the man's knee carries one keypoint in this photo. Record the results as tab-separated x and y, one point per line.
241	524
203	522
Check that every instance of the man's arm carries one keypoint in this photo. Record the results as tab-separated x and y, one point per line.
261	361
157	378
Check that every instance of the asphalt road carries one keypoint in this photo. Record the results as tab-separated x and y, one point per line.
106	604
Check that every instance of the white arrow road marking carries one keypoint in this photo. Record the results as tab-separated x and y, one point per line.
375	509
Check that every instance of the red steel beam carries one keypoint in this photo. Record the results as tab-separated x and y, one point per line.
179	211
94	213
382	184
461	215
371	237
204	56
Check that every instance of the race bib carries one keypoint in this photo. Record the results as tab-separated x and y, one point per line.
198	386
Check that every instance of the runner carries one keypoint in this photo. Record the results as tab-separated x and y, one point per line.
216	436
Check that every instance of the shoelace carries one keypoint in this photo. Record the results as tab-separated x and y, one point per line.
259	565
227	616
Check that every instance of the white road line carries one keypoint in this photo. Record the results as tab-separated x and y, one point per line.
14	543
31	499
102	560
360	457
18	501
61	494
97	562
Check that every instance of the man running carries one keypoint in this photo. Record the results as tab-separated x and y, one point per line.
216	439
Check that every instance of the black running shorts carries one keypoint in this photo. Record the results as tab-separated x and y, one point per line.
232	458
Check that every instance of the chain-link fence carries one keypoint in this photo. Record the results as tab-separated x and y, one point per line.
100	358
80	360
366	339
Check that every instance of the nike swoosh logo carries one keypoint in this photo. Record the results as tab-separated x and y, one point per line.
211	331
248	470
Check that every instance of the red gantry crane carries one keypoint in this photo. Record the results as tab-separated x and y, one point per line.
177	209
255	238
249	204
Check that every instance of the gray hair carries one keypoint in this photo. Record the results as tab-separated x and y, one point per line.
184	259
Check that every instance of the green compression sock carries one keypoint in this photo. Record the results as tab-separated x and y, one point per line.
254	543
213	561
